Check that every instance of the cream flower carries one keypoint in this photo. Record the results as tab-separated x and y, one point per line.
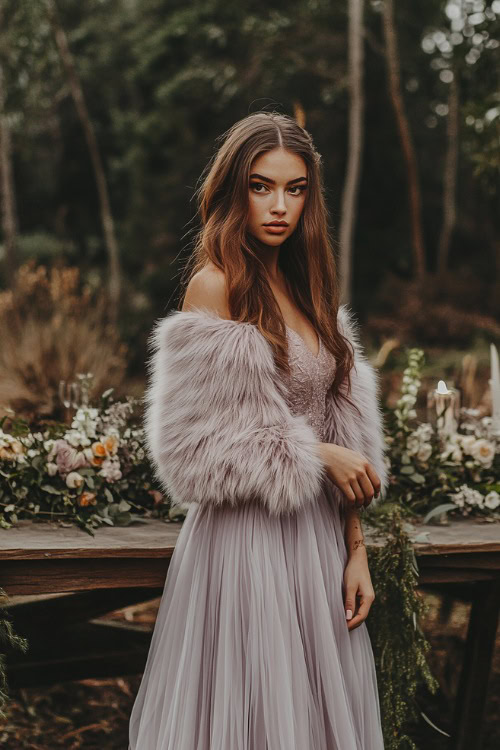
492	500
425	452
74	479
483	451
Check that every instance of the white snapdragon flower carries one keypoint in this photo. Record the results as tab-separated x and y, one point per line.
467	498
413	445
49	444
456	455
85	421
77	438
51	468
424	452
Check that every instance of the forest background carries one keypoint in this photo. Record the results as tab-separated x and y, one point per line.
110	110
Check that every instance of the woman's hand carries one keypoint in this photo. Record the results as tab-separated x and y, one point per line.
358	589
351	472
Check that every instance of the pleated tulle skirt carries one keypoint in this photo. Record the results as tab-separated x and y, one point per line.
251	649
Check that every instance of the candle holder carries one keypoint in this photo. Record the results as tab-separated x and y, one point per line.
443	409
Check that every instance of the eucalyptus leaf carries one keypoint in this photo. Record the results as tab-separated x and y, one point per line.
408	469
123	519
417	478
444	508
441	731
51	490
422	538
39	463
124	506
109	496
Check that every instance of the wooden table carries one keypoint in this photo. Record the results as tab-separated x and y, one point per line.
83	577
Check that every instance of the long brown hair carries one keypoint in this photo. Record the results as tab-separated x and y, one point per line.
306	258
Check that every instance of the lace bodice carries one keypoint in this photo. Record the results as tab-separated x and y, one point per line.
311	376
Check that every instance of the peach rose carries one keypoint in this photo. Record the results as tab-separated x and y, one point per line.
87	498
99	449
111	444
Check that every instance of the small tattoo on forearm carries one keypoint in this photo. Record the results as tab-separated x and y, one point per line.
357	543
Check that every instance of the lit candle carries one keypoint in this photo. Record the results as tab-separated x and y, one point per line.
495	390
447	406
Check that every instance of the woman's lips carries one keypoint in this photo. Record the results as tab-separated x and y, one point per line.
275	228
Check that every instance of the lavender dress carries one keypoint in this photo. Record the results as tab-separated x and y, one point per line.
251	649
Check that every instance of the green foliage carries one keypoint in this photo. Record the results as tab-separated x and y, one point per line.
9	639
398	642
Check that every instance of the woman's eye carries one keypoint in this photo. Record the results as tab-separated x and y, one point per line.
298	188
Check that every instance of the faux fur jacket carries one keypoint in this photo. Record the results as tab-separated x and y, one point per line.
218	428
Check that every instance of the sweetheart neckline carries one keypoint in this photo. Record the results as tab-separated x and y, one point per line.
313	355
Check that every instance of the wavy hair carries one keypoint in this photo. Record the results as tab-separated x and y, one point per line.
306	258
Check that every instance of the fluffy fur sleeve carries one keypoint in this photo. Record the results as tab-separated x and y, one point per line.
218	428
364	431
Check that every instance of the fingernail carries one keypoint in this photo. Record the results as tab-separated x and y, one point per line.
348	614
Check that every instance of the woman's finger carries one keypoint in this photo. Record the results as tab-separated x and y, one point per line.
358	492
361	614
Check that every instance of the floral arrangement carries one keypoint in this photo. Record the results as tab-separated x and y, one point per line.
89	472
86	474
434	473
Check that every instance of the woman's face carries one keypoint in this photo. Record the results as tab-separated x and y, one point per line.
276	193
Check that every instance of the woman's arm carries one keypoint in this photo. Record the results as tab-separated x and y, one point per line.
217	424
358	588
353	533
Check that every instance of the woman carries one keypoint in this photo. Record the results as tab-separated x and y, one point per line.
262	418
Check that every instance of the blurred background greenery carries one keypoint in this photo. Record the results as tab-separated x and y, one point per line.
109	112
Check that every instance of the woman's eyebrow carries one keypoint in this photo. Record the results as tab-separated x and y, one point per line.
272	182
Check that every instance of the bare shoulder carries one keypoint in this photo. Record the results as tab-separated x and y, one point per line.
207	289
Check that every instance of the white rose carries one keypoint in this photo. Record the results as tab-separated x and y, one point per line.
483	451
492	500
74	479
467	441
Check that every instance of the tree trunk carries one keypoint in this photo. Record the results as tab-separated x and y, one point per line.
354	146
102	188
392	61
450	178
7	190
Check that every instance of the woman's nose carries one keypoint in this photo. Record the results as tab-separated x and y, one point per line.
279	203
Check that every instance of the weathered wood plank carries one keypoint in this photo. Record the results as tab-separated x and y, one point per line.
152	537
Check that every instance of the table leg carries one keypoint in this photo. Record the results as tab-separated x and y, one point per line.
467	727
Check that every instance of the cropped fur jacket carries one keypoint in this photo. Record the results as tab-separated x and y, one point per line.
218	428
